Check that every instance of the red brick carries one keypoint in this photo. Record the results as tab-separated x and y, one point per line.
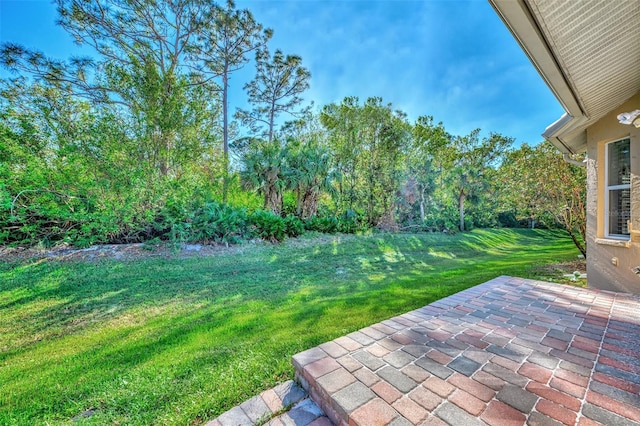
500	414
567	387
556	411
489	380
554	395
620	350
624	410
416	373
439	386
386	391
439	335
402	339
348	343
571	358
475	388
620	365
555	343
585	346
425	398
505	332
273	401
472	341
410	410
535	372
537	328
321	367
506	363
585	421
350	363
474	333
572	377
618	383
375	412
467	402
377	350
439	357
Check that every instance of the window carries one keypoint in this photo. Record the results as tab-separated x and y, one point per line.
618	189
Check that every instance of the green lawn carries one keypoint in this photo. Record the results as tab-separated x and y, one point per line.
179	341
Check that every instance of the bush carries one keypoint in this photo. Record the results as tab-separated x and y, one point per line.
268	226
213	222
325	224
293	226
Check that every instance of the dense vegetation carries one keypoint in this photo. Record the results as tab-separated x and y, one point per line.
138	143
179	341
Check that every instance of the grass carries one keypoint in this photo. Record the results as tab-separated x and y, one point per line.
179	341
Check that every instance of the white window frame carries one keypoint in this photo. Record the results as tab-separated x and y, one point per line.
608	188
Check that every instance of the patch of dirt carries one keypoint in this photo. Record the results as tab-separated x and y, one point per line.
579	265
563	272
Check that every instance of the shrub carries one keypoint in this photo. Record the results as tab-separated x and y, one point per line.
268	226
293	226
325	224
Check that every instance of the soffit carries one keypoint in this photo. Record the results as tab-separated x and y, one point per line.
587	51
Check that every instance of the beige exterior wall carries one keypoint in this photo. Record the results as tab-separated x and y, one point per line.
610	262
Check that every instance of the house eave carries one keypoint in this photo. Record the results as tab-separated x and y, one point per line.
565	133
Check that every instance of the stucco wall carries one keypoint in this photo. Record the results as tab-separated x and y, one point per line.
611	263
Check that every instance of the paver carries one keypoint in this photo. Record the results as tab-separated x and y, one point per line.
396	378
464	365
454	415
256	409
507	352
518	398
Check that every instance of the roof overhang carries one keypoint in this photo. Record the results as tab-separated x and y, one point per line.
587	52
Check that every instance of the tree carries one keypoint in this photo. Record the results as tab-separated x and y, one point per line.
308	174
343	123
279	82
428	139
142	64
263	169
223	47
537	183
368	142
471	159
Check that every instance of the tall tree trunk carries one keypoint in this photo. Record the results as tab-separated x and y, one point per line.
422	204
271	120
461	199
225	131
310	203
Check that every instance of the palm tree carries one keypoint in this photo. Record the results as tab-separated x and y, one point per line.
308	175
263	169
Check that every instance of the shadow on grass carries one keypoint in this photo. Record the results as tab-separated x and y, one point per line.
74	330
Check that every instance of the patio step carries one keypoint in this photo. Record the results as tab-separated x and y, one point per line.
527	351
285	405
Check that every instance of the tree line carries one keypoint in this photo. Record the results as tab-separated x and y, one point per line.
138	143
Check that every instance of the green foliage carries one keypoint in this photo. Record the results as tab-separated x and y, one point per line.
177	341
368	143
293	226
539	186
216	222
268	226
326	224
277	88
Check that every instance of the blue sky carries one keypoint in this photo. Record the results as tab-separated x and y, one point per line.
451	59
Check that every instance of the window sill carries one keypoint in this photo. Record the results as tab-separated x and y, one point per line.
614	243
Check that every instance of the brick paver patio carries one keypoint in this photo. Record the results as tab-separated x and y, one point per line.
507	352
